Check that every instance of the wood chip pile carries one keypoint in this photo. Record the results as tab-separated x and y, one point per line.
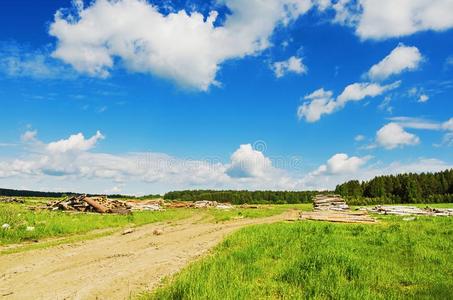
410	210
329	202
82	203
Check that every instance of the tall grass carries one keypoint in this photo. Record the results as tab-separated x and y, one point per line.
315	260
42	224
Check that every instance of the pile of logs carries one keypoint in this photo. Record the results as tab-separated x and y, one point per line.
82	203
329	202
410	210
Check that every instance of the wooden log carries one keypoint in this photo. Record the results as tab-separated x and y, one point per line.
97	206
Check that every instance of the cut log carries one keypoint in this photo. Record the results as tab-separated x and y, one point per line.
96	205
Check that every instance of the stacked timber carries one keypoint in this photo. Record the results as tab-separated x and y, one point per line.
329	202
410	210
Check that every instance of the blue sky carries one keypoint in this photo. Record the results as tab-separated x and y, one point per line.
142	97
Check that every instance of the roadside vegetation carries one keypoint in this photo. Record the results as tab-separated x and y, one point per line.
27	225
391	260
32	225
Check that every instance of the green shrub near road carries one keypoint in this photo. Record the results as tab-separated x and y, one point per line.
315	260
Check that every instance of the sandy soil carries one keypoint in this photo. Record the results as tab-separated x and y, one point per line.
115	266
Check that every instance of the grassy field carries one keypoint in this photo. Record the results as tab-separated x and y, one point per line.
260	212
391	260
44	224
56	223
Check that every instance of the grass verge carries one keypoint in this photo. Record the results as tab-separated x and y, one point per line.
391	260
26	225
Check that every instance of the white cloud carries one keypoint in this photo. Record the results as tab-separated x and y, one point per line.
389	18
402	58
76	142
359	91
416	123
18	61
29	135
292	65
185	48
321	101
393	135
359	138
247	162
71	163
424	124
341	163
423	98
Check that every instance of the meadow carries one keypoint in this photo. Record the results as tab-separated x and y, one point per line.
27	225
33	225
393	259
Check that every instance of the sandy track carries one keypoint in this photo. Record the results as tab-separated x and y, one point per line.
115	266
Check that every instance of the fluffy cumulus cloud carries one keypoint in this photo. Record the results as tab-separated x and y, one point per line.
321	102
393	135
139	173
187	48
424	124
247	162
72	161
402	58
389	18
291	65
76	142
341	163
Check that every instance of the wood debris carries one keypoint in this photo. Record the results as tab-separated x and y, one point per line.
329	202
11	200
338	216
127	231
409	210
82	203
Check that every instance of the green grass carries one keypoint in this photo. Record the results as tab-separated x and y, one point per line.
316	260
262	211
59	224
56	223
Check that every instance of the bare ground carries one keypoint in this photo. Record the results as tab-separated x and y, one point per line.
115	266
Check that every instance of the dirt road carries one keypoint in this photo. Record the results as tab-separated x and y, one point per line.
115	266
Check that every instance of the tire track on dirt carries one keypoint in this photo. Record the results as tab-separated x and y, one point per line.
115	266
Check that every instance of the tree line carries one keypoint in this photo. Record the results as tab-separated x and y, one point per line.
403	188
242	197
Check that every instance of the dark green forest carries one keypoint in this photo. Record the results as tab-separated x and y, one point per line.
241	197
402	188
25	193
